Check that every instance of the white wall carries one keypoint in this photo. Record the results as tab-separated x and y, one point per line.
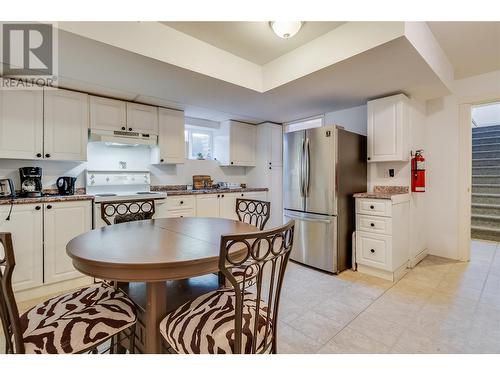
442	155
353	119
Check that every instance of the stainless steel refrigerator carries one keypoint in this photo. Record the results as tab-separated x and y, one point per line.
323	168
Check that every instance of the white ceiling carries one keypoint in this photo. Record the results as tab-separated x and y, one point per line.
253	41
472	47
486	114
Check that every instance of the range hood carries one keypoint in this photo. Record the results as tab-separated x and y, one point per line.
122	138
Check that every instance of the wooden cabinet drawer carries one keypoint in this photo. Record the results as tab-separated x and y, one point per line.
180	202
378	207
187	212
373	250
374	224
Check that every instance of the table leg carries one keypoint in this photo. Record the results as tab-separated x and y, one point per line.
156	308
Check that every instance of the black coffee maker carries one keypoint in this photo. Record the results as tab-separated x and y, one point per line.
66	185
31	182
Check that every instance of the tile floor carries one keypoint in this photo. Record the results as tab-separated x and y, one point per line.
441	306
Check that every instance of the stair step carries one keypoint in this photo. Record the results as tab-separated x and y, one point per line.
487	209
486	170
485	233
491	198
486	154
485	162
486	188
477	140
485	129
486	147
486	179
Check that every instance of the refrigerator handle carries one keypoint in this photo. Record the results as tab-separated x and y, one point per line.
308	168
302	170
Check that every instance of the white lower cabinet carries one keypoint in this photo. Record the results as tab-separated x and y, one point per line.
175	206
25	225
207	205
382	237
62	222
40	233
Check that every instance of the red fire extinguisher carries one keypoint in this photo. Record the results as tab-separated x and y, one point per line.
418	172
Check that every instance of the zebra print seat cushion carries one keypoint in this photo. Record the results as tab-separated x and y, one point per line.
206	324
76	321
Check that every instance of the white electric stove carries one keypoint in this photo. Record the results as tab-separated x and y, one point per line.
111	187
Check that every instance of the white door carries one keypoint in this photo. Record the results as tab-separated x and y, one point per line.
142	118
66	123
207	205
21	124
63	222
171	136
228	206
108	114
276	146
25	224
242	144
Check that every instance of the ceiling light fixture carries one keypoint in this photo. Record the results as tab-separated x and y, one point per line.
286	30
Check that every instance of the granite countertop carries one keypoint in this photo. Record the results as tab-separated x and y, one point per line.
48	199
209	191
383	192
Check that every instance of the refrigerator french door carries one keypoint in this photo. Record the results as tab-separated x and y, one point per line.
323	167
310	194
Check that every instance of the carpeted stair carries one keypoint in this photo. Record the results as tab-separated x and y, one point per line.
486	183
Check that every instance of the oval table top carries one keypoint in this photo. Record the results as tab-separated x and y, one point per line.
153	250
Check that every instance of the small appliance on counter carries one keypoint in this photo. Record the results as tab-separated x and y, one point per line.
66	185
31	182
202	182
228	185
7	188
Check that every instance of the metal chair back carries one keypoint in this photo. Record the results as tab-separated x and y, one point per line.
253	211
267	252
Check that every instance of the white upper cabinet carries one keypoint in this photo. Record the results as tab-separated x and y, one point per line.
388	127
142	118
66	123
171	136
108	114
21	124
234	144
276	147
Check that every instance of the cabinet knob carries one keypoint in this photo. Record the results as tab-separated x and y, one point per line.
182	216
372	224
369	159
38	155
49	207
162	160
181	202
37	208
242	195
124	128
270	168
47	155
222	195
372	207
372	251
232	163
269	163
218	195
129	129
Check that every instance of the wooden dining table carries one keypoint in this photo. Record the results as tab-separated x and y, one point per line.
153	251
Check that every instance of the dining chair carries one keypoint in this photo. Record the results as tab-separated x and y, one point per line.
238	319
253	211
75	322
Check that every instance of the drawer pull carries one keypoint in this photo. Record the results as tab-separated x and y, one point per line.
372	207
372	224
38	208
372	251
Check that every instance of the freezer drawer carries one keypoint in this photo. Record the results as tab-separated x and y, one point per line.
315	241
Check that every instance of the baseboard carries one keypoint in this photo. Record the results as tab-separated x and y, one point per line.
48	289
418	258
383	274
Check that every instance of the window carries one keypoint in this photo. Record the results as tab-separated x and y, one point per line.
199	143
